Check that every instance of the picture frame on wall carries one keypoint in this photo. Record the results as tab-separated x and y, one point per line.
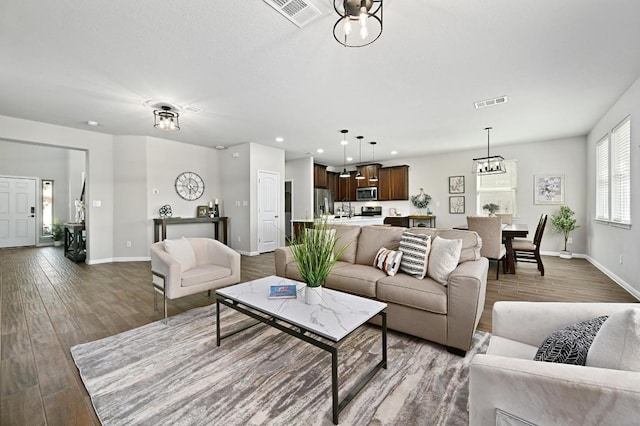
203	211
456	204
456	184
548	189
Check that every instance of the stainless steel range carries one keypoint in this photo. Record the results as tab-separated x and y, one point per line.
371	211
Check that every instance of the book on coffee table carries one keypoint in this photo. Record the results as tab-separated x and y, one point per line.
285	291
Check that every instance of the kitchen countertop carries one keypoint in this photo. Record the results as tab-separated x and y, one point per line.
354	220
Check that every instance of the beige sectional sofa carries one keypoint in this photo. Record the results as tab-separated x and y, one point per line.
421	307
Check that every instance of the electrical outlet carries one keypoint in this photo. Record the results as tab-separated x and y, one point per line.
569	240
239	238
128	243
620	260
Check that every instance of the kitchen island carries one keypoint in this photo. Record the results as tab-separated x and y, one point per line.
298	224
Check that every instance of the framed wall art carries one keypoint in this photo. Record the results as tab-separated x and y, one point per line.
456	184
456	204
548	189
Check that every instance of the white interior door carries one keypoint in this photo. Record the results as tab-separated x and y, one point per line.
17	212
268	211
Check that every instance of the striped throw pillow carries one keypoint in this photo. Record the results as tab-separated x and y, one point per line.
415	253
388	261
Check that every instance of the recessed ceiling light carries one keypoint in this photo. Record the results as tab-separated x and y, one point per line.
92	123
320	150
394	152
349	158
220	147
279	139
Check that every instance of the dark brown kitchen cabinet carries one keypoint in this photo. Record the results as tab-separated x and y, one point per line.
319	176
332	183
393	183
368	171
347	188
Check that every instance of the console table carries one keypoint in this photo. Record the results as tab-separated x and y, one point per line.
75	245
160	226
410	221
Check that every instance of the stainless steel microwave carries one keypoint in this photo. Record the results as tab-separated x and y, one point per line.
369	193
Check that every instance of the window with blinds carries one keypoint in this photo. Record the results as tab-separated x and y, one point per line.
613	174
499	189
621	173
602	176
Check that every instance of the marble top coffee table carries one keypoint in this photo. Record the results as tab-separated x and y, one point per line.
324	325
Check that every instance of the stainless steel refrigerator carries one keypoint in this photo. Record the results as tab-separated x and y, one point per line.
322	202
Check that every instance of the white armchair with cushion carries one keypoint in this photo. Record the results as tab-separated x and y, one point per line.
186	266
506	386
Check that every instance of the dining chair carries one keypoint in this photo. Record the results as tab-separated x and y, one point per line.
507	218
529	251
490	230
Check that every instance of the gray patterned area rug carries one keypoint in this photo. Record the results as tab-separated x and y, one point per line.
175	374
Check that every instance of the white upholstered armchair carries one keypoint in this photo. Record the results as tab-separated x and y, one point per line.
506	386
186	266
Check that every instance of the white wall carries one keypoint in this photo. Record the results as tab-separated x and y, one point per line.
300	172
42	162
264	158
165	160
606	242
432	173
99	147
234	165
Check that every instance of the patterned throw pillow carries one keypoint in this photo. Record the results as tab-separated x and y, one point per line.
415	253
388	261
570	344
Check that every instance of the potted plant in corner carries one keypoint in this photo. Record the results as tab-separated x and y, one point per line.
491	208
314	251
564	222
57	233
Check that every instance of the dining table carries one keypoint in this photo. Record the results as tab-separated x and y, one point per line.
509	232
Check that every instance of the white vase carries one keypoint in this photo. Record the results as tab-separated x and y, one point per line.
313	295
57	243
565	254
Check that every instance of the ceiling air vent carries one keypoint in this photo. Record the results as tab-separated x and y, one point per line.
300	12
490	102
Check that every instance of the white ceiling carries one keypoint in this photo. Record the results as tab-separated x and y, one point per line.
256	75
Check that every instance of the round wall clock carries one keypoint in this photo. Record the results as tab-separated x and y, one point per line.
189	185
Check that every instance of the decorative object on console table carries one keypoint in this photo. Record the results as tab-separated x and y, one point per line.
456	204
314	251
165	211
421	202
564	222
456	184
203	211
549	189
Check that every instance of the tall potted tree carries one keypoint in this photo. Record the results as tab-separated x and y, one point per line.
564	222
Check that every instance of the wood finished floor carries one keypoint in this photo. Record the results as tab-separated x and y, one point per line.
48	304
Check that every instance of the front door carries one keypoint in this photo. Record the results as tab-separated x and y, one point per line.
17	212
268	211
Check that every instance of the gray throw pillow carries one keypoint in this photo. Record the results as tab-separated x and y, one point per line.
570	344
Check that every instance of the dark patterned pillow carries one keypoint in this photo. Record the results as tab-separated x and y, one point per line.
570	344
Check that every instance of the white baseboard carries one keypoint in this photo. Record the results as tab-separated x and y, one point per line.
622	283
117	259
247	253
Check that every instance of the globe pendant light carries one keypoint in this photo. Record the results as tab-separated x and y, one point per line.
373	178
345	173
359	175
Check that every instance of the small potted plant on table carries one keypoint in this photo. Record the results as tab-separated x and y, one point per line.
491	208
564	222
314	250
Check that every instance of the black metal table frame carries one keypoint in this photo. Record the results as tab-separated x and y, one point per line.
301	334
